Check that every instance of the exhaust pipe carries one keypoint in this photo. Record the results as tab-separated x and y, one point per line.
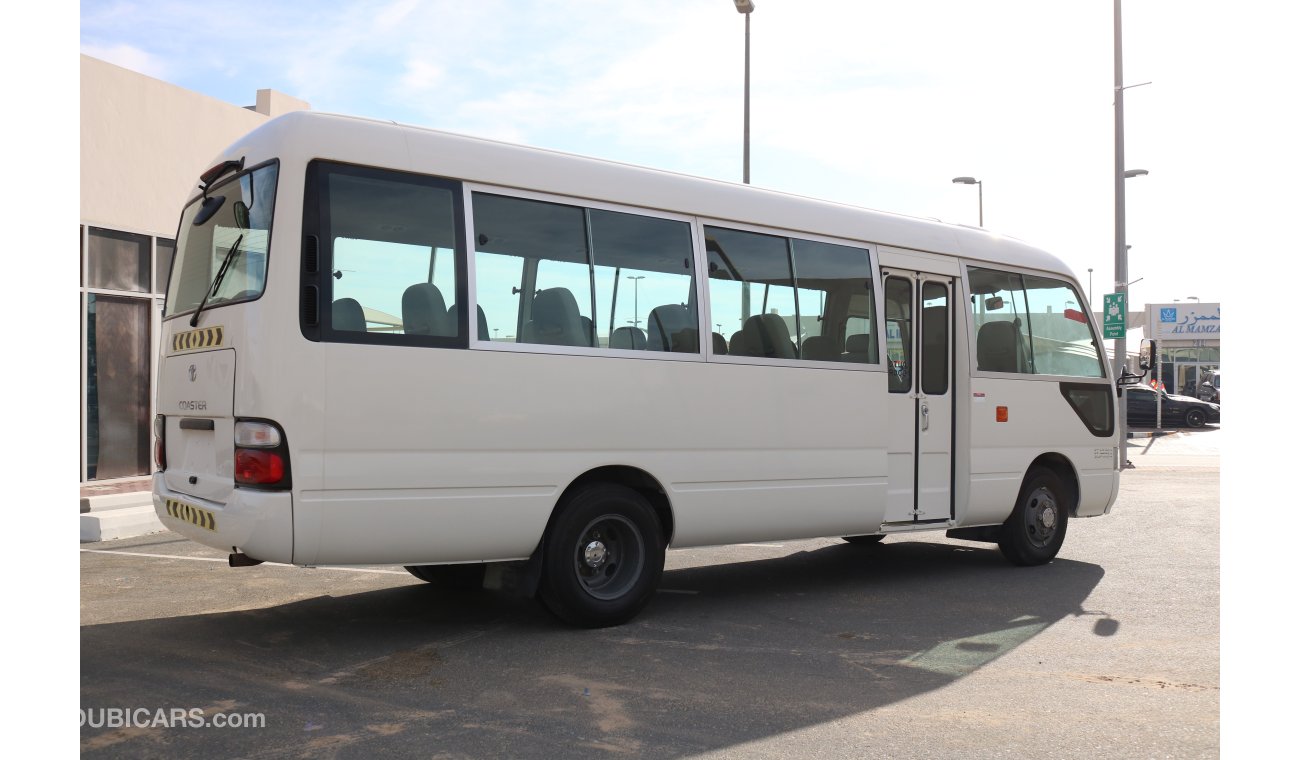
239	559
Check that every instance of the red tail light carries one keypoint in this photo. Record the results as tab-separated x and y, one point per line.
257	467
261	454
160	442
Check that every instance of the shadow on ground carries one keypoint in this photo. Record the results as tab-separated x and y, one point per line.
760	648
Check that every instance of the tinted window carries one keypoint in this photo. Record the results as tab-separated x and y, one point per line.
898	333
1031	325
118	260
239	232
390	253
573	276
934	338
789	298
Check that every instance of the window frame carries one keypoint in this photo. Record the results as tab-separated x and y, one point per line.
873	258
697	248
316	213
966	265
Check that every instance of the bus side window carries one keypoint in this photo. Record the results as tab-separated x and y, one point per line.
836	300
392	247
645	283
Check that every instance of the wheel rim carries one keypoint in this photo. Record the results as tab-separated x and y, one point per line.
1042	517
608	557
1195	418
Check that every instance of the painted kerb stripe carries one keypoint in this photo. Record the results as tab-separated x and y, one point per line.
204	337
191	514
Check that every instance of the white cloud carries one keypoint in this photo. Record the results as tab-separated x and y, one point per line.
129	57
421	75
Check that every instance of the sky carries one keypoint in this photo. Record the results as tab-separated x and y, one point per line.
873	104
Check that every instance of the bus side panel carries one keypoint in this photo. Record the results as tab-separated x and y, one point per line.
1038	420
449	455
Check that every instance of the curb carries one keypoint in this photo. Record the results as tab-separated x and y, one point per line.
120	515
1150	433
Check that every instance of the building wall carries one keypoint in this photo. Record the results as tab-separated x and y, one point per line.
144	143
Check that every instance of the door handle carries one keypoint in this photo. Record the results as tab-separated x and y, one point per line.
925	416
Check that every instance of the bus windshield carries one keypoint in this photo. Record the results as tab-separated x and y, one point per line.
243	218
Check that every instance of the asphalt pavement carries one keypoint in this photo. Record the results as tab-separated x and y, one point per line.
918	647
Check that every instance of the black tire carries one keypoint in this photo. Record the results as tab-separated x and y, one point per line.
864	540
451	577
1195	418
1034	532
602	557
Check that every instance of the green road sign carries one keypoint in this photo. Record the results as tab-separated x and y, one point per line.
1114	313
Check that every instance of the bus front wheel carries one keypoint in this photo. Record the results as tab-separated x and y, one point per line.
1034	532
602	557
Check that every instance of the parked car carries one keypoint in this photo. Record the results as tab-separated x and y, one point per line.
1209	390
1175	410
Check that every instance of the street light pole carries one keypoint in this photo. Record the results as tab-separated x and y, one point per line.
746	7
636	298
973	181
1121	248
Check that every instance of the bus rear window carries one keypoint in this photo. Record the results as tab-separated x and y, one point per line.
240	229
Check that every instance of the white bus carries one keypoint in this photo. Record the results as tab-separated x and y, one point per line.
391	345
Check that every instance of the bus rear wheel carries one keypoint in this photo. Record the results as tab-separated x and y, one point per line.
602	557
1034	532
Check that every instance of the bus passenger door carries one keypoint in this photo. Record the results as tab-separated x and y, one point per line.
918	333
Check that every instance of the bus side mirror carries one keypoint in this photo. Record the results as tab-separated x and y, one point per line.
1146	355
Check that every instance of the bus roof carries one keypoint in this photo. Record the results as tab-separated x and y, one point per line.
307	135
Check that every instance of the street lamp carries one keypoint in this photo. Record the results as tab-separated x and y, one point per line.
1089	287
1121	249
636	301
1194	298
746	7
973	181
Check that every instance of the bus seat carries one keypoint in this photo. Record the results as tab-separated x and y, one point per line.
556	320
666	322
347	314
998	347
857	348
454	318
425	313
719	345
736	346
628	337
819	348
767	335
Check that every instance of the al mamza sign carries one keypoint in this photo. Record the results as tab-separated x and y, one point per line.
1184	321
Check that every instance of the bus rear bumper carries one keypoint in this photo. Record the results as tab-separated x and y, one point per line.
256	523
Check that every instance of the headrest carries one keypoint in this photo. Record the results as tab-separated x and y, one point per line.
424	312
347	314
858	344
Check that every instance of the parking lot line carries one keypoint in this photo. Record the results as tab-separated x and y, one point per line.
219	559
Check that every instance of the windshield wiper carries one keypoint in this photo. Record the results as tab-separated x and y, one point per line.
216	281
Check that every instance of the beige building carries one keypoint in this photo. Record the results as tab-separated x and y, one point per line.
144	143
